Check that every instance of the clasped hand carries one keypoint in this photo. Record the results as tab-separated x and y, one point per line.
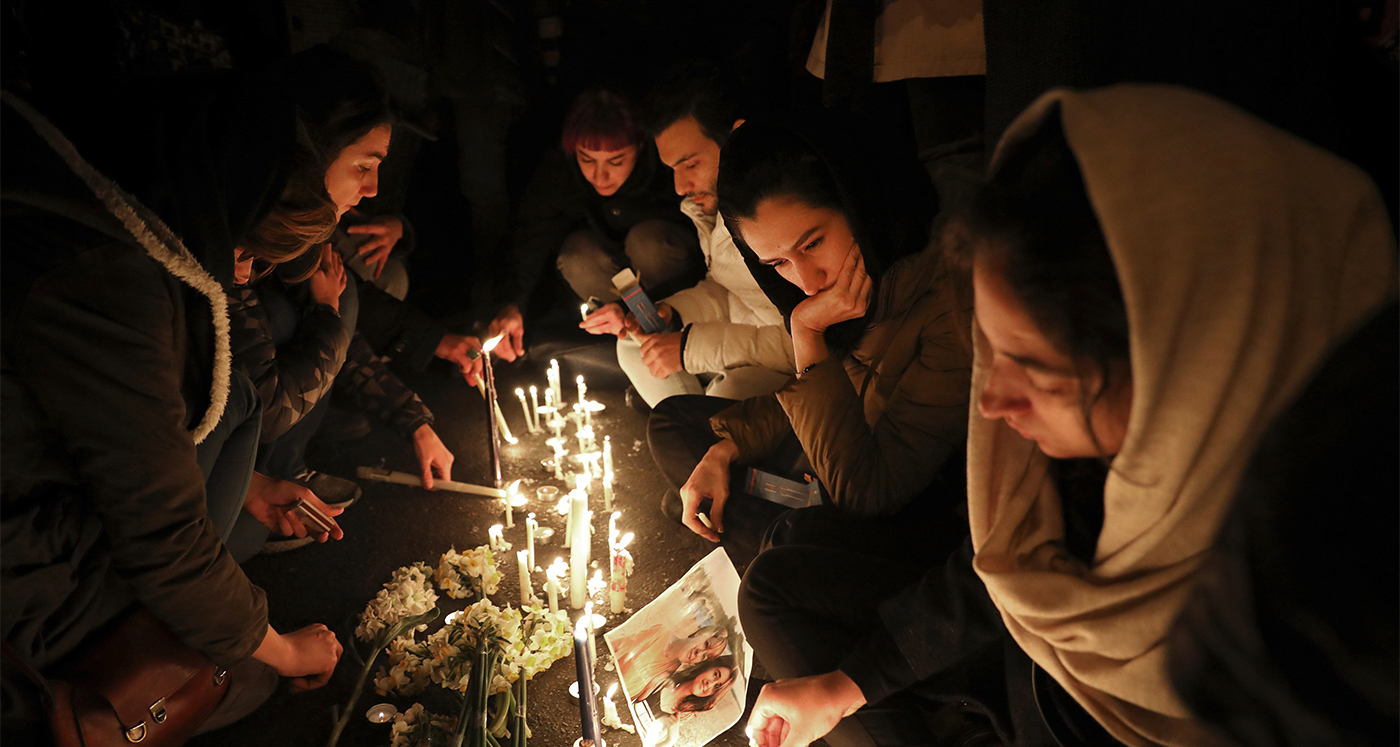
797	712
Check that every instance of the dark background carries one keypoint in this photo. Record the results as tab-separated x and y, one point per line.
483	85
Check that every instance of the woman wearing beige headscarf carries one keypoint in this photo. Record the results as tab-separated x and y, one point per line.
1236	255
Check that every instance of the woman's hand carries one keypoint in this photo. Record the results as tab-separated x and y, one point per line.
847	298
710	479
308	655
464	351
433	456
509	321
384	231
797	712
270	501
328	281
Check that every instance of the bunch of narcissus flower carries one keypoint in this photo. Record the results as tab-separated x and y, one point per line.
407	594
418	728
487	653
531	640
474	572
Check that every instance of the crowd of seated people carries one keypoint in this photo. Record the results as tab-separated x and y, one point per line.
1055	444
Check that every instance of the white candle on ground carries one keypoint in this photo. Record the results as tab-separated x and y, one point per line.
582	391
578	549
495	534
530	525
607	473
555	382
535	408
525	410
527	592
552	574
511	495
621	569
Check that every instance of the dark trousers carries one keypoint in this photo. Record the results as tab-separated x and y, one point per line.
804	609
921	534
227	454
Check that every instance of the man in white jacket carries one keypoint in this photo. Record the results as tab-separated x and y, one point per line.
725	328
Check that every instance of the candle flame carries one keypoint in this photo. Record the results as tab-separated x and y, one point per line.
491	344
626	539
611	689
579	379
520	391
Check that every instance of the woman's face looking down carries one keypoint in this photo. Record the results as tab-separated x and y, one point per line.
1036	387
606	170
808	246
354	174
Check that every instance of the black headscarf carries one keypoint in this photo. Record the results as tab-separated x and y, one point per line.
210	155
887	200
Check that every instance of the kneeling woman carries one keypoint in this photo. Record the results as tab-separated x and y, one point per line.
879	406
1156	274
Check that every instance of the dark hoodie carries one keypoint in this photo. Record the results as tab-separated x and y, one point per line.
559	201
108	362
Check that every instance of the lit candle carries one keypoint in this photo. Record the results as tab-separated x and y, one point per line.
535	408
582	391
610	716
527	592
578	549
552	574
530	526
511	495
583	311
583	664
558	444
525	410
555	383
621	562
607	473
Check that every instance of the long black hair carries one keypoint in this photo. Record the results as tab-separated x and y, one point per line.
825	162
695	703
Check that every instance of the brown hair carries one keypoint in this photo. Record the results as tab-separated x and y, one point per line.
303	216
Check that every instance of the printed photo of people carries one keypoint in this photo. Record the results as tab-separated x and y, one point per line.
683	661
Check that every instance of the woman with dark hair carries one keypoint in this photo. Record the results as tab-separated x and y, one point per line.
600	204
128	441
693	689
293	338
838	238
1156	274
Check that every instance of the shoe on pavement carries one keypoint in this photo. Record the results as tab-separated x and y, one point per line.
671	505
333	491
282	543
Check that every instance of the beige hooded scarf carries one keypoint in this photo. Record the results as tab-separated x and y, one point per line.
1244	254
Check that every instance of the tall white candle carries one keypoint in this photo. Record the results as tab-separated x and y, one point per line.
555	382
527	592
552	574
525	410
535	408
582	391
607	473
530	526
578	549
